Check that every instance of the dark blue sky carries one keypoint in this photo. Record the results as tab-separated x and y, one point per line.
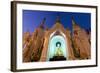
32	19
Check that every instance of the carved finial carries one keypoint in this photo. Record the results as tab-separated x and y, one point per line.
58	19
73	22
42	23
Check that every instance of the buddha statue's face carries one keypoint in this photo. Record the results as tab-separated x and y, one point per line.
58	44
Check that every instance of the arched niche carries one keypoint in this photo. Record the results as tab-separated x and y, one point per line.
57	37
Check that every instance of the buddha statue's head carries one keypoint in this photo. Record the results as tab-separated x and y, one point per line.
58	44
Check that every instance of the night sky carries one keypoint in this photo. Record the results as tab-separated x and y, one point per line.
32	19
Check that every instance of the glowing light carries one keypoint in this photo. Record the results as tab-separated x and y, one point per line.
53	46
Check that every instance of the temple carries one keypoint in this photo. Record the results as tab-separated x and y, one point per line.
56	43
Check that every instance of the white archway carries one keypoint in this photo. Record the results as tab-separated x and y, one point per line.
52	45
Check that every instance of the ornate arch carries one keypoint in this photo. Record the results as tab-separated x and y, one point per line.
61	37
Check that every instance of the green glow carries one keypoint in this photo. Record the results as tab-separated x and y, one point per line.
53	48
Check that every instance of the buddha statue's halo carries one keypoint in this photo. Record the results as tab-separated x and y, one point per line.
58	44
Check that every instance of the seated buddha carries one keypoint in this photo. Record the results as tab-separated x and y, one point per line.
58	51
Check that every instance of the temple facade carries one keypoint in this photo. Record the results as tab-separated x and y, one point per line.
56	43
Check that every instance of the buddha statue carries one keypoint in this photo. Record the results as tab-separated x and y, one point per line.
58	55
58	51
